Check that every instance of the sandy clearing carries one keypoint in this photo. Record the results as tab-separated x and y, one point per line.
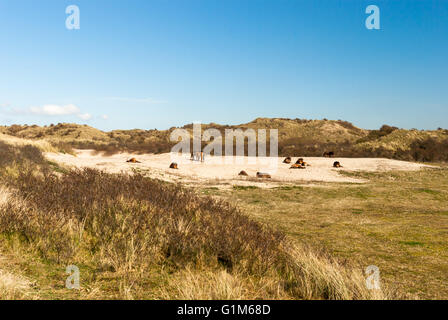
224	170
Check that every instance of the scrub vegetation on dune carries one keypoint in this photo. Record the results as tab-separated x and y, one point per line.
134	237
308	138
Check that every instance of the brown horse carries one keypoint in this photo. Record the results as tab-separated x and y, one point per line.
337	164
243	173
133	160
262	175
287	160
302	163
173	165
297	166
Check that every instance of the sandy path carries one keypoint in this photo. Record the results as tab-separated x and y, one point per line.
224	170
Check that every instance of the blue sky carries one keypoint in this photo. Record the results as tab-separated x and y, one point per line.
156	64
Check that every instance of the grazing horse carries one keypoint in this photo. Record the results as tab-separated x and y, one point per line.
287	160
263	175
243	173
337	164
133	160
173	165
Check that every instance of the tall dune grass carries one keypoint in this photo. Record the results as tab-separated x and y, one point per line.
41	144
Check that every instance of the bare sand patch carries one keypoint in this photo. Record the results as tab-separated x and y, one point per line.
224	170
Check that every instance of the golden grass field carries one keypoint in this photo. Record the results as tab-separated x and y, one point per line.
397	221
295	239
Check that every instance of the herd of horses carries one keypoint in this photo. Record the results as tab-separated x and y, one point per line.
299	164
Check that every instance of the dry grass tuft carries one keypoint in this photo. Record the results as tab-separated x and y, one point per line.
190	284
323	276
41	144
13	286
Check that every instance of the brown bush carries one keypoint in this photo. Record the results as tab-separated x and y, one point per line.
429	150
176	223
377	134
10	155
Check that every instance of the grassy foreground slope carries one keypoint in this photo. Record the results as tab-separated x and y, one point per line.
136	238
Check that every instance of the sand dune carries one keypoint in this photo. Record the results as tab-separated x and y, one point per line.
224	170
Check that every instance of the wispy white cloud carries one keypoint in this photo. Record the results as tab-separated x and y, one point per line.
105	117
55	110
85	116
48	110
136	100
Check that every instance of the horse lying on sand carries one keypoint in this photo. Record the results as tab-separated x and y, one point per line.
173	165
263	175
287	160
337	164
133	160
302	163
